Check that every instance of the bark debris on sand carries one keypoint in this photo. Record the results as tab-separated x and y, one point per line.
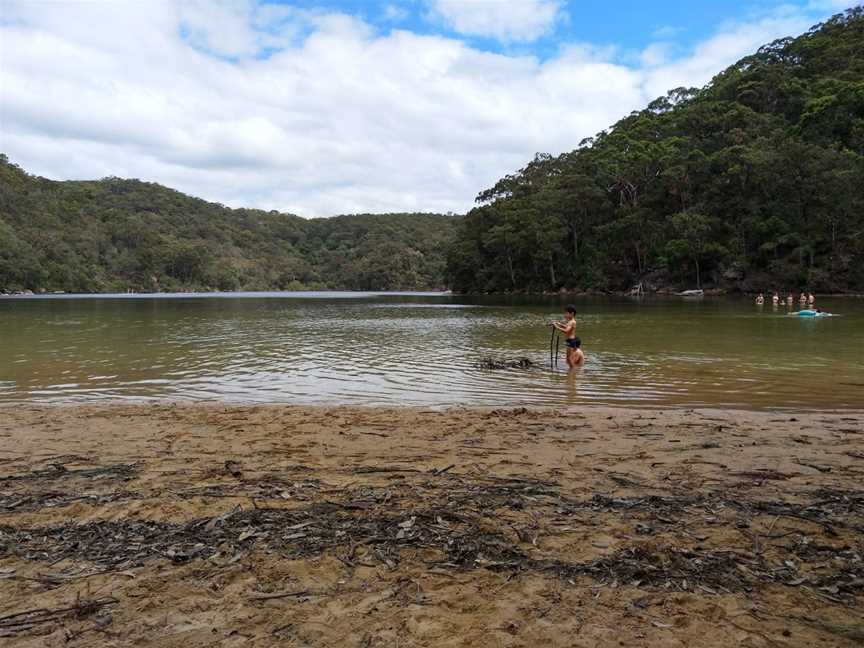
197	522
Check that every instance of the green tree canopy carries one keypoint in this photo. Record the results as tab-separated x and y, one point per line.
755	181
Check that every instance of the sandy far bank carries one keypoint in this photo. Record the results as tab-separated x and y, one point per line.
209	525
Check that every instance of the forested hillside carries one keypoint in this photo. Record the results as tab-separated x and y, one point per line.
753	182
115	235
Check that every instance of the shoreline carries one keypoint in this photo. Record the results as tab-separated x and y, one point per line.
198	524
663	293
595	407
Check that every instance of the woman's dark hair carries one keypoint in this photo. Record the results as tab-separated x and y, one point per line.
570	309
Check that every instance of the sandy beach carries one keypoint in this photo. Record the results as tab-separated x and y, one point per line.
214	525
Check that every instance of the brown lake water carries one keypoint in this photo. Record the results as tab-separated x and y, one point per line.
422	349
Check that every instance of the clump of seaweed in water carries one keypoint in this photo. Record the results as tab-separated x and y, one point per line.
494	363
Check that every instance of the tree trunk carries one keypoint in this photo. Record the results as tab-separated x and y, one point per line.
698	278
575	236
510	268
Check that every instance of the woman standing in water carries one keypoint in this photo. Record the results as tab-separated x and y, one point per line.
575	356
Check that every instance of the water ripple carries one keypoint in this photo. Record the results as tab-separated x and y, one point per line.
422	350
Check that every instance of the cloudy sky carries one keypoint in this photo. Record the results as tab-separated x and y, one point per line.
321	108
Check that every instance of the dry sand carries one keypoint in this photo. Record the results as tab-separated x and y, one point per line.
209	525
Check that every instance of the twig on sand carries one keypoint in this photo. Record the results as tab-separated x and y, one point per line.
268	596
441	471
822	469
18	622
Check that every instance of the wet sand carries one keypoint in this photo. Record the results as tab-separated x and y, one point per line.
210	525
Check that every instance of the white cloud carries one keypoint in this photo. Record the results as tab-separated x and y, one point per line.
656	54
667	31
506	20
832	5
394	13
236	28
339	119
730	43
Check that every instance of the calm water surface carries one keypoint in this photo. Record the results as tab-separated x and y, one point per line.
421	349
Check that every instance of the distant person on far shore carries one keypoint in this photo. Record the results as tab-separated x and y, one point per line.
790	300
775	299
811	299
760	299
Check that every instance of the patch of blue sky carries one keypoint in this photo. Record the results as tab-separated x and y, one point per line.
625	27
191	37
